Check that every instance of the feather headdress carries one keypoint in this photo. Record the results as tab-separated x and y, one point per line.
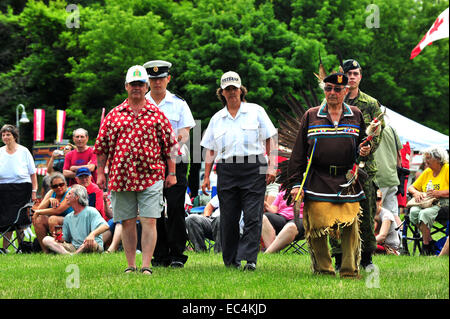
322	73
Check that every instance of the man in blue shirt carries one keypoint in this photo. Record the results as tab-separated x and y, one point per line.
82	228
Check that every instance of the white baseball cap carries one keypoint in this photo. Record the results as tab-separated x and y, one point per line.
136	73
230	78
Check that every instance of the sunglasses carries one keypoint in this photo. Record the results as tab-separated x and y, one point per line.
137	83
336	89
230	88
55	186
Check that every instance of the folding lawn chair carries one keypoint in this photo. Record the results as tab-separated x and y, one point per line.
297	246
16	222
209	243
440	226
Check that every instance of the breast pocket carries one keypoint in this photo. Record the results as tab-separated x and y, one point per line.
219	139
250	134
173	118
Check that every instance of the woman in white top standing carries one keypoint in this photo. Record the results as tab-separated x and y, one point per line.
238	138
18	181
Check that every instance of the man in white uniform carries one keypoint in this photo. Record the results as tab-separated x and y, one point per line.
172	235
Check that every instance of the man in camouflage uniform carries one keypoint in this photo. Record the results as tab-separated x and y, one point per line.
370	109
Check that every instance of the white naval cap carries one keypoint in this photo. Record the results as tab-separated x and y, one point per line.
157	68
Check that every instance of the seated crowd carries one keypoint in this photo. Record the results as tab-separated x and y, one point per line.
62	205
76	203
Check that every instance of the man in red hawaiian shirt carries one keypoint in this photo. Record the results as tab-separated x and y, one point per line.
137	140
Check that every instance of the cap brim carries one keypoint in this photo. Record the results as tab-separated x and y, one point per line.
142	80
82	175
228	84
162	75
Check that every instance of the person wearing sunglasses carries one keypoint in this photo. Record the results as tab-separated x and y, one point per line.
432	183
370	108
55	164
82	229
238	138
335	130
138	142
52	209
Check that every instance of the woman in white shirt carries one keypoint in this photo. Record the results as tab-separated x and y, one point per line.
237	138
18	181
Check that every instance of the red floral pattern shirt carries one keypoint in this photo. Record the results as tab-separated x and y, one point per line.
136	146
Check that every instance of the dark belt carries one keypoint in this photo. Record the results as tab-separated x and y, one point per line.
253	159
333	170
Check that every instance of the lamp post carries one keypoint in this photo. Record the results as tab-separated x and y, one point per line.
23	118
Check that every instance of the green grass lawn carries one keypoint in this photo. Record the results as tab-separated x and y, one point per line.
278	276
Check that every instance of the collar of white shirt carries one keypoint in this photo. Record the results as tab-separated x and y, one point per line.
243	108
167	99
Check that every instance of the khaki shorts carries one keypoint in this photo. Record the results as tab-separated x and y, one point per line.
149	203
69	247
425	215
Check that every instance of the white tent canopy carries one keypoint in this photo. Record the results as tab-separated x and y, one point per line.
419	136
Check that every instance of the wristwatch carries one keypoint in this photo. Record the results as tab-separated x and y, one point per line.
172	174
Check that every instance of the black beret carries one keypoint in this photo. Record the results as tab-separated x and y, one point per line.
336	78
350	64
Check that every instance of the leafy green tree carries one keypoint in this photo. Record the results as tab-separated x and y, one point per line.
247	39
112	40
15	5
273	44
417	89
37	78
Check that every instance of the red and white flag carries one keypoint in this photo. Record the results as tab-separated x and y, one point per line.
60	122
438	30
39	124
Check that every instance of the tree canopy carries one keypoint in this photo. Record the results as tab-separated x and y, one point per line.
55	55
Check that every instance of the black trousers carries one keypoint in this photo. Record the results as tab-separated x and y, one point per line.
241	188
172	236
